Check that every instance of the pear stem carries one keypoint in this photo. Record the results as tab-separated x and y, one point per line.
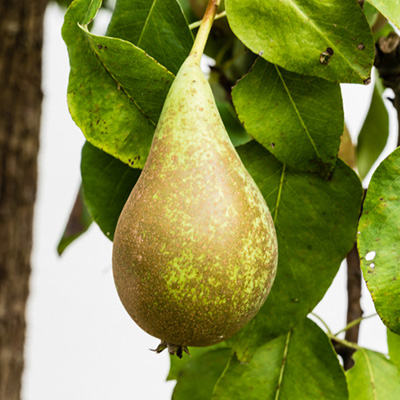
204	30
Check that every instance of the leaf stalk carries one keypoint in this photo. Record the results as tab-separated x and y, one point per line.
196	24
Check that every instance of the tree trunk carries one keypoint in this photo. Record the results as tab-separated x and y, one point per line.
21	37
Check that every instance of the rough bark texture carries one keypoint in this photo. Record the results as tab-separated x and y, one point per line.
21	36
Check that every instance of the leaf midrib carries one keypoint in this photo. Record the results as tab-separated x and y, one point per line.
372	378
298	112
282	370
313	25
278	200
146	22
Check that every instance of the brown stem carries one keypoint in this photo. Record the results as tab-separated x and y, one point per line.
387	61
354	310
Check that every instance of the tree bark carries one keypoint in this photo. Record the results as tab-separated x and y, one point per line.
21	37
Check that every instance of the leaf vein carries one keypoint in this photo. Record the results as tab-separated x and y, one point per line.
146	22
367	360
297	112
279	193
311	22
284	358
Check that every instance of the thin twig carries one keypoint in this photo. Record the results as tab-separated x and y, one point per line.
196	24
322	321
355	322
348	345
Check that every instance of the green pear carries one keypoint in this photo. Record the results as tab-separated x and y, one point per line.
195	249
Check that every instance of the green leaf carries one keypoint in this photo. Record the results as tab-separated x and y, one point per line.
108	116
316	222
373	377
78	223
328	39
178	364
394	347
390	9
299	365
187	10
235	129
297	118
107	183
144	81
93	8
374	133
198	377
379	240
158	27
371	13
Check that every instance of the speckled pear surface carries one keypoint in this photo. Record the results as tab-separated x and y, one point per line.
195	249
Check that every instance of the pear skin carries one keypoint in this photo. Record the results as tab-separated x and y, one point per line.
195	249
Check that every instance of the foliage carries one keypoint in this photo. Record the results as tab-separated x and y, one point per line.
285	60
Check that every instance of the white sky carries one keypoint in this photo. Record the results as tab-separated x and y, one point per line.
81	344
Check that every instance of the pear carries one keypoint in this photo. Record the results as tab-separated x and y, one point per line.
195	249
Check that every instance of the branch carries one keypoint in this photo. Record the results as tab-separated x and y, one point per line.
354	310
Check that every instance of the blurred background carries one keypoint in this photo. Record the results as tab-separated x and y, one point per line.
81	344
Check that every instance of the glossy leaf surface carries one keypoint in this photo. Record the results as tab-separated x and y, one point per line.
373	377
316	222
158	27
299	365
297	118
330	39
379	240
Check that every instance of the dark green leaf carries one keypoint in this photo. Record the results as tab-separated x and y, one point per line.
187	10
297	118
109	118
379	240
394	347
390	9
373	377
198	377
316	222
158	27
299	365
178	364
144	81
237	133
374	133
329	39
107	183
78	223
